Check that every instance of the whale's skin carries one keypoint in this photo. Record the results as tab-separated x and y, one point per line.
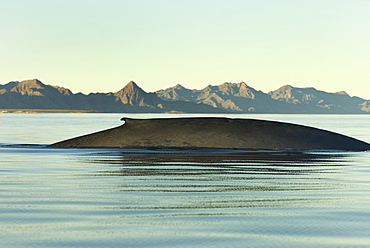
214	133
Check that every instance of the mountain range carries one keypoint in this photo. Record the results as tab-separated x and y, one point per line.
33	94
224	98
241	98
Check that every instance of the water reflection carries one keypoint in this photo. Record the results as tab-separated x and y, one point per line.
232	180
167	164
101	198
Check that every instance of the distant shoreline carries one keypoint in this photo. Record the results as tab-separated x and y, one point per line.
46	111
30	111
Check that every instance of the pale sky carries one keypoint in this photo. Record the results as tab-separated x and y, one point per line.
101	45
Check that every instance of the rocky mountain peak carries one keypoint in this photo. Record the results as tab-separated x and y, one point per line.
31	84
179	87
246	91
132	94
131	87
342	93
284	91
293	95
7	87
237	89
29	87
62	90
286	87
242	85
175	93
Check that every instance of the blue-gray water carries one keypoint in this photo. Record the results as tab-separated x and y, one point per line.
133	198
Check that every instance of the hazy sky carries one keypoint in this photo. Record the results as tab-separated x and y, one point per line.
101	45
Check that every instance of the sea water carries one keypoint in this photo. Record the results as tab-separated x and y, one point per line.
170	198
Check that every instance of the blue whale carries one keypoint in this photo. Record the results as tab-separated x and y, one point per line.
214	133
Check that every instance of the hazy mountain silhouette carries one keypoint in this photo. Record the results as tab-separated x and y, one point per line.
227	97
320	101
33	94
241	98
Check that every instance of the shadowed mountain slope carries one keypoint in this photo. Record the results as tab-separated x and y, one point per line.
236	97
320	101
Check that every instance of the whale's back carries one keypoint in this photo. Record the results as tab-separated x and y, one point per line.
215	133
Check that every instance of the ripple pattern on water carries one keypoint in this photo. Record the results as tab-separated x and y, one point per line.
95	198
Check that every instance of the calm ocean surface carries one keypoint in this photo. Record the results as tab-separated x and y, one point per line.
137	198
